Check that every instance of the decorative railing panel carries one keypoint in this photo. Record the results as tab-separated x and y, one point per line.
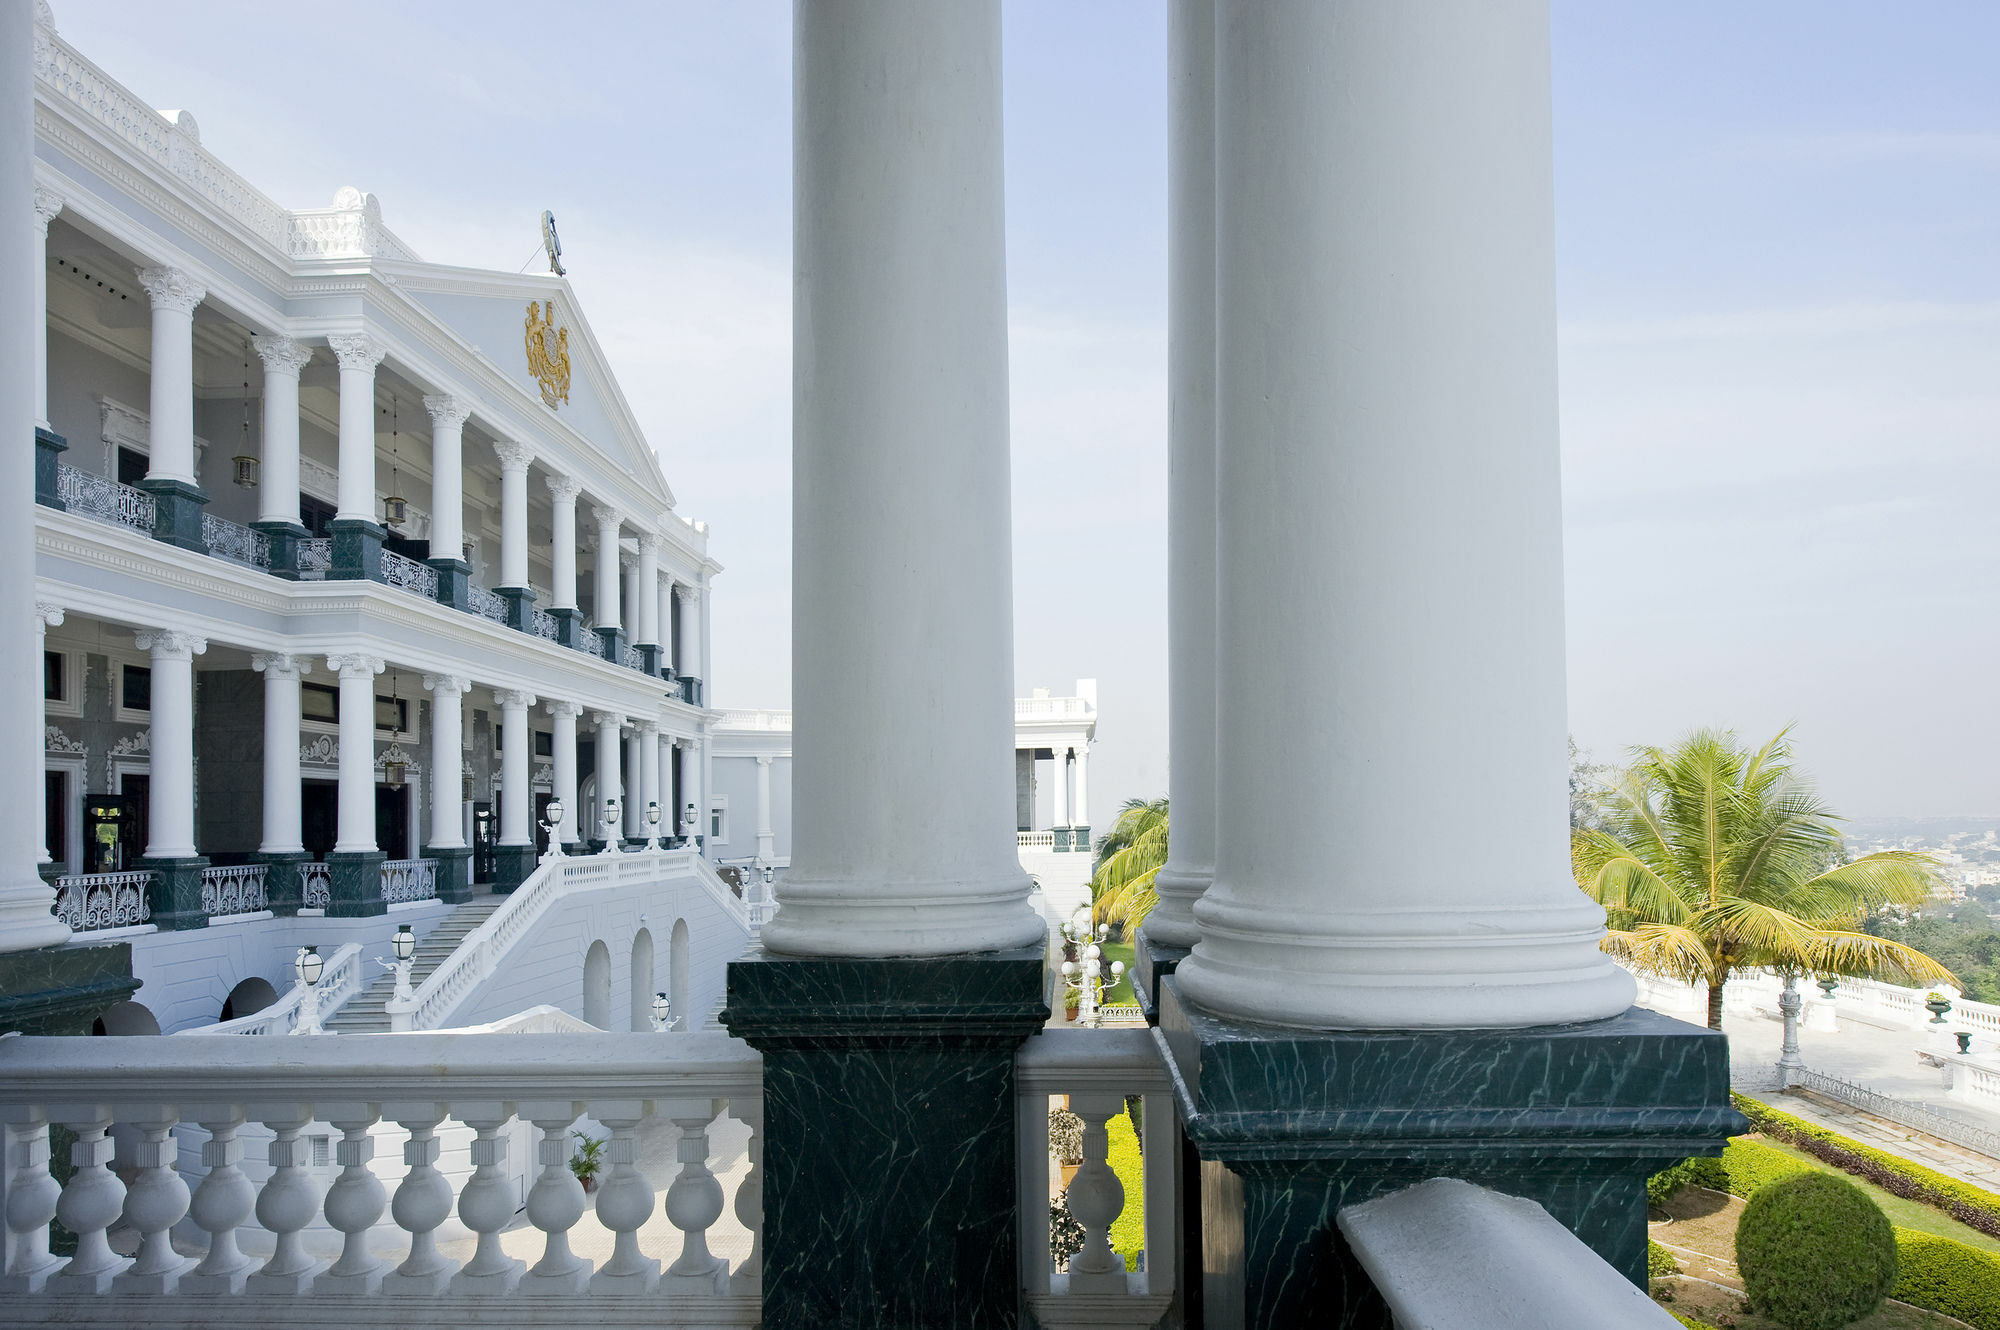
315	886
238	889
234	541
1051	708
104	499
410	575
632	658
543	625
88	902
315	557
590	644
409	880
1035	840
1907	1114
487	604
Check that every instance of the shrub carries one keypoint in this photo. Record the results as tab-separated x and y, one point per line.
1814	1252
1668	1180
1749	1166
1945	1275
1065	1136
1659	1261
1065	1232
1128	1230
1690	1322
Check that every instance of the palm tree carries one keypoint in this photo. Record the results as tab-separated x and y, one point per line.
1129	856
1712	859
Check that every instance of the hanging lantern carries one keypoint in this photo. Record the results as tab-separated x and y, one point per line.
246	470
395	508
246	465
396	773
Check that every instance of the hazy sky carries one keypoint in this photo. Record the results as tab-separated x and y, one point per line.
1779	256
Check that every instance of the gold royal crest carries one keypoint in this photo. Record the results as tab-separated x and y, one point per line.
548	352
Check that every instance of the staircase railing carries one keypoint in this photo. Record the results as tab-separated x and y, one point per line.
339	981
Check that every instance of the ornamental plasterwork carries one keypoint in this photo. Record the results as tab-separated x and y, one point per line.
321	752
563	489
58	742
513	456
48	203
169	644
131	744
281	355
548	352
447	411
173	289
357	350
319	480
395	753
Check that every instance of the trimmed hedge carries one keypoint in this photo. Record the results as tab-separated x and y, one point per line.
1815	1252
1945	1275
1690	1322
1128	1230
1659	1261
1975	1207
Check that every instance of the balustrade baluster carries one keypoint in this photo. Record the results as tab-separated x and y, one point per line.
1096	1197
486	1203
423	1201
355	1200
155	1202
287	1203
624	1200
223	1203
556	1201
694	1200
32	1194
749	1277
91	1201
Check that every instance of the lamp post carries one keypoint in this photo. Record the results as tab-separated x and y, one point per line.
1090	977
308	965
405	946
663	1013
690	824
1789	1061
552	816
652	824
613	833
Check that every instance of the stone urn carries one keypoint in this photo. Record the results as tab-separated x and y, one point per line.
1937	1004
1827	984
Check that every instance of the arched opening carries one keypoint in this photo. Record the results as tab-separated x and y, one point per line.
597	985
248	998
642	980
677	976
123	1018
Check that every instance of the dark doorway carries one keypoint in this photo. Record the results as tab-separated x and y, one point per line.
392	820
485	837
55	814
135	826
541	816
316	517
104	818
319	816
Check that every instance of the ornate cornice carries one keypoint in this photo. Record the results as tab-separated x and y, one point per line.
563	489
47	204
447	410
356	665
282	355
169	644
276	665
356	350
447	683
172	289
513	456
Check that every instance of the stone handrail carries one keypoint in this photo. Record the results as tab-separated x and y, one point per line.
371	1091
1035	840
544	1019
1097	1069
1047	708
339	981
756	720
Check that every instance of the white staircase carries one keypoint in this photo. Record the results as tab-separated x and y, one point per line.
367	1010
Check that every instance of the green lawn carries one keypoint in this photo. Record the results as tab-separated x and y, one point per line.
1122	991
1902	1213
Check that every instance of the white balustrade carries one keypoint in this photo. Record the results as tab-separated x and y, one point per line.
380	1092
236	889
409	880
1035	840
1050	708
340	979
1097	1069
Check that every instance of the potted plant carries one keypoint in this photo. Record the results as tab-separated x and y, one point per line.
1066	1142
588	1159
1938	1004
1072	1001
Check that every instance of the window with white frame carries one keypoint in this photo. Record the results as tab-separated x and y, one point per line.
718	819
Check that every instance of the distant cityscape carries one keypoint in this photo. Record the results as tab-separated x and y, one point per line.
1968	848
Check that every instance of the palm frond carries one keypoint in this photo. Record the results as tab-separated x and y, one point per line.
1667	950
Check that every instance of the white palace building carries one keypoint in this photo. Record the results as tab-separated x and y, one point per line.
349	566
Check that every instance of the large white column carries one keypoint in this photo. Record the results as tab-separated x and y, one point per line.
448	416
354	807
1387	457
649	779
690	759
562	540
1059	787
767	839
170	808
170	439
606	584
48	203
447	760
283	830
358	355
1080	791
1191	574
691	632
514	461
25	899
663	593
47	615
610	785
635	778
564	737
278	485
902	577
517	746
646	606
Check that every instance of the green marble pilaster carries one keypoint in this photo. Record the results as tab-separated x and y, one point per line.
520	607
512	864
355	884
61	990
454	873
284	538
889	1173
569	626
454	583
177	509
284	889
1152	962
357	549
49	448
614	644
1290	1126
174	894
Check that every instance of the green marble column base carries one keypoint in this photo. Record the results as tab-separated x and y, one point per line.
454	872
1293	1125
1061	835
357	550
569	626
174	894
691	690
614	644
284	890
61	990
177	509
284	538
520	607
355	884
512	865
454	583
649	658
49	448
889	1159
1152	962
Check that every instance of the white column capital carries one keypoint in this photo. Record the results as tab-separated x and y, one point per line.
514	699
607	517
167	644
172	289
563	489
447	683
280	354
652	542
649	729
610	718
560	708
356	665
48	615
278	666
627	562
47	204
763	759
447	411
513	456
357	350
